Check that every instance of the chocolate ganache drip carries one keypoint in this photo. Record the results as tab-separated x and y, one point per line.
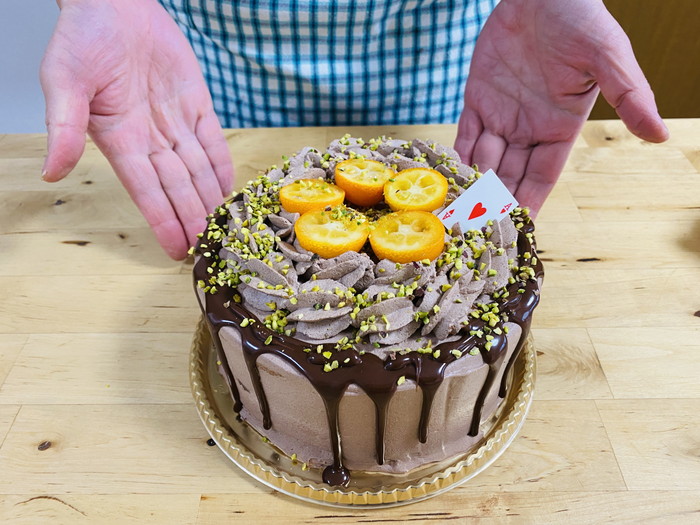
378	377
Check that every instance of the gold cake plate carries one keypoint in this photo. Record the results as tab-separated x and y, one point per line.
264	462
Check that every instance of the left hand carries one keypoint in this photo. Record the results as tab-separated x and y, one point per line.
537	69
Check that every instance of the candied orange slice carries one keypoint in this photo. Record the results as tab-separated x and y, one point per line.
310	194
363	180
416	189
330	233
407	236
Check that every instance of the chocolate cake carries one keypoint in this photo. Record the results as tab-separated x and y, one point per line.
353	362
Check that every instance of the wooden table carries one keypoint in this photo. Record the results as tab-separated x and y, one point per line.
97	423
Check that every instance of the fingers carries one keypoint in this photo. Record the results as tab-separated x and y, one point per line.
624	86
200	143
468	131
513	165
67	115
543	168
178	185
202	173
162	190
488	151
170	176
211	137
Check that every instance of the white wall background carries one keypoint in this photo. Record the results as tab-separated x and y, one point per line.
25	29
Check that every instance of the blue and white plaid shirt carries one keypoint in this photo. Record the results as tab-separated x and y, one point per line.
275	63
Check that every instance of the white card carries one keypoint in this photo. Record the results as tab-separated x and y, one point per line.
486	199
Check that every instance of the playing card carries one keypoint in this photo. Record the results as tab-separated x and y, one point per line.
486	199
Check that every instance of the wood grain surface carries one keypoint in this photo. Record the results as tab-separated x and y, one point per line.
97	424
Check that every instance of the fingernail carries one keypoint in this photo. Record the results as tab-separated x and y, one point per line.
43	175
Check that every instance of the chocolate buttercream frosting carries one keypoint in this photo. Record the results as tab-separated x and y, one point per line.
354	320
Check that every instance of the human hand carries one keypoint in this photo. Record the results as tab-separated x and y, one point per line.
536	71
122	71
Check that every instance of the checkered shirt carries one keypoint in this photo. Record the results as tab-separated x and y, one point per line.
274	63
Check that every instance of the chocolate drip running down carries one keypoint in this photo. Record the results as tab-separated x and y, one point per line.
376	376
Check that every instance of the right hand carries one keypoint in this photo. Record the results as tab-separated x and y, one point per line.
122	71
536	71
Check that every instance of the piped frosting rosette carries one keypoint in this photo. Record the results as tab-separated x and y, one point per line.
379	305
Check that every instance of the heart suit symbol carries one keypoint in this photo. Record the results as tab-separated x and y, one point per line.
477	211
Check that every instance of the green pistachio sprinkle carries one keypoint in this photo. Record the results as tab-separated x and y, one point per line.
253	238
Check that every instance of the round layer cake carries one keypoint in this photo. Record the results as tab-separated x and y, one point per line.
349	361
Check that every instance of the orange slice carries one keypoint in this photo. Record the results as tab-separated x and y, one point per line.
416	189
363	180
407	236
330	233
310	194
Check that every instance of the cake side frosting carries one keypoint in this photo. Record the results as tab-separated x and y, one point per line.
352	324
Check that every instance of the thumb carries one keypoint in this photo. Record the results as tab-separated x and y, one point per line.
626	89
67	116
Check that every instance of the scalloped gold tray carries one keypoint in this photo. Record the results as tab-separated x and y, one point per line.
261	460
